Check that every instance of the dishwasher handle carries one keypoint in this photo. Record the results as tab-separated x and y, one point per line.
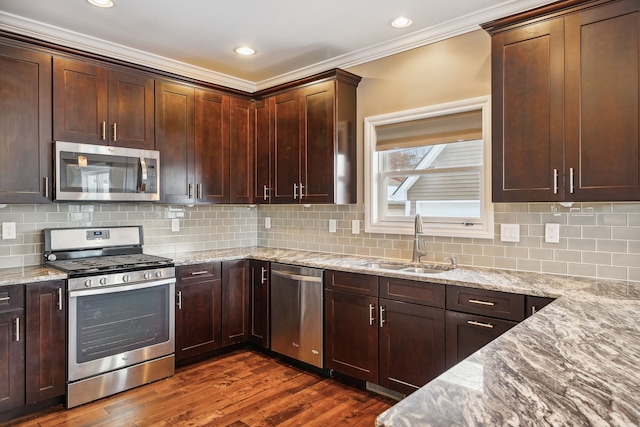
298	277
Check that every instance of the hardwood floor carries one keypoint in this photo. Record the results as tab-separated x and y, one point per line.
242	388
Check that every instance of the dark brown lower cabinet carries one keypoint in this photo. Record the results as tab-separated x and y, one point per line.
536	303
467	333
198	304
259	303
351	334
235	302
411	345
12	347
46	340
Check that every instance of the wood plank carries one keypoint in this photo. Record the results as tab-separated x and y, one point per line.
238	389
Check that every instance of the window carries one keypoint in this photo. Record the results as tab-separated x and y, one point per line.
432	161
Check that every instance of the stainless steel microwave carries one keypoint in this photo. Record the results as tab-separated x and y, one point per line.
104	173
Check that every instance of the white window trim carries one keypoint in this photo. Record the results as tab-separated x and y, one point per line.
372	195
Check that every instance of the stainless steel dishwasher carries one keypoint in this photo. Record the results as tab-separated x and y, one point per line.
296	313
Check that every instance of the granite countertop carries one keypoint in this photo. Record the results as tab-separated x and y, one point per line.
575	362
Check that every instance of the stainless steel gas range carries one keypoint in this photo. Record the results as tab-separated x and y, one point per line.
120	326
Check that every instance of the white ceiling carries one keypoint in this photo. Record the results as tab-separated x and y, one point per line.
293	38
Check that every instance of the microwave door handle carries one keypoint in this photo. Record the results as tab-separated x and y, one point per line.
143	174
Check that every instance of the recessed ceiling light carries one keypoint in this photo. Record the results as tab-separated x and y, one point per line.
244	50
101	3
401	22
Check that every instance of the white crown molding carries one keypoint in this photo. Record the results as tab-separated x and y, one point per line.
61	36
452	28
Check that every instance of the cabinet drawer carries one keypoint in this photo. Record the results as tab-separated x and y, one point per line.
11	297
362	284
199	272
424	293
502	305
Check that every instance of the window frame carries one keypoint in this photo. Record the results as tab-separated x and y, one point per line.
373	193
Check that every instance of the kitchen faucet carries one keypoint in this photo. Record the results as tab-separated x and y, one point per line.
419	244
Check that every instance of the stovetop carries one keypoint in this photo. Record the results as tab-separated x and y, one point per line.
108	264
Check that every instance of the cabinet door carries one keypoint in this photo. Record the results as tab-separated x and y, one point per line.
528	135
79	102
317	171
603	102
46	340
175	127
25	126
467	333
131	110
263	158
411	347
198	303
241	142
11	359
534	304
212	147
259	309
286	115
235	302
351	334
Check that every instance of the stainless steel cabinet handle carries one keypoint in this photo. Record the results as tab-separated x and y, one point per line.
295	191
534	310
263	276
103	131
115	132
265	196
482	325
199	191
46	187
179	302
555	181
5	299
301	191
60	299
487	303
382	321
371	317
199	273
571	180
190	191
17	325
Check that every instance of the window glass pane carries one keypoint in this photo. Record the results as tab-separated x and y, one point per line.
452	155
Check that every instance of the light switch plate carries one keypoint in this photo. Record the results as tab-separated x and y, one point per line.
175	224
332	226
510	232
267	222
552	232
355	226
8	230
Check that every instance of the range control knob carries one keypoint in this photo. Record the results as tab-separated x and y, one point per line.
158	273
103	281
88	283
147	275
126	278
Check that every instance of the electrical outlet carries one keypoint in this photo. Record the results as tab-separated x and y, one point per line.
509	232
552	232
332	226
175	224
8	230
355	226
267	222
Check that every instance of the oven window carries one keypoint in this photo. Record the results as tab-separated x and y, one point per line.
114	323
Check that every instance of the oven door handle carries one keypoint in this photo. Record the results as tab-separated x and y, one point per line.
119	288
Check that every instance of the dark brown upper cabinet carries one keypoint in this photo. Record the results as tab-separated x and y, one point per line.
241	150
25	125
310	131
96	105
566	103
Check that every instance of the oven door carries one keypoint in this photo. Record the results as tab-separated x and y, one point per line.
115	327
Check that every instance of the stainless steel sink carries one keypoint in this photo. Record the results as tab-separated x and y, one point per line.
427	269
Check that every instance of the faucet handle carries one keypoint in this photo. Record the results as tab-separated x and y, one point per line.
454	261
